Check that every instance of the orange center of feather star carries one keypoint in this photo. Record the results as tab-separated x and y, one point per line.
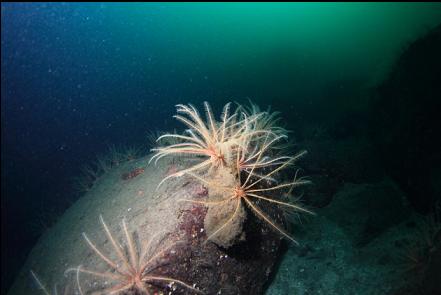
239	192
216	157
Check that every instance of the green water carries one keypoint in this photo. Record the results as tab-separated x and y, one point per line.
265	39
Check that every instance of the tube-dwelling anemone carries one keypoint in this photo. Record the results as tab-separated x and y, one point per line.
240	160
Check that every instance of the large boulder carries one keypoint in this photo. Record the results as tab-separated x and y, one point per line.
365	211
130	192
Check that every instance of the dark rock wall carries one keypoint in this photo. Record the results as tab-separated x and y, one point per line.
406	121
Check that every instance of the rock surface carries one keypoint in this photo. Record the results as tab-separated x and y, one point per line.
241	269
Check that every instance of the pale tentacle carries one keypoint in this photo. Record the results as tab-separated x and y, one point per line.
296	207
268	220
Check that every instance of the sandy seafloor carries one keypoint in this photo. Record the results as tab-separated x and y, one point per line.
330	258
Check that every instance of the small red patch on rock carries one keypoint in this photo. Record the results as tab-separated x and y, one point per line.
193	223
201	191
172	169
132	174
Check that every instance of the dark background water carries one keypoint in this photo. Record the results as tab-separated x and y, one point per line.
77	78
